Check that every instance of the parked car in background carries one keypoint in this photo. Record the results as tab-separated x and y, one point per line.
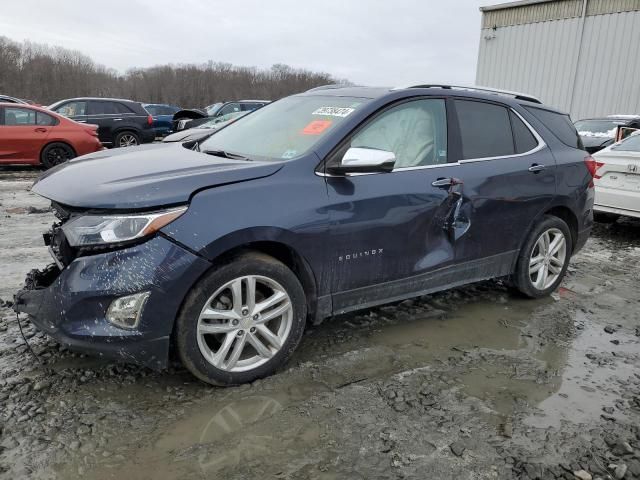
598	133
203	131
162	117
8	99
33	135
193	118
121	123
617	180
334	200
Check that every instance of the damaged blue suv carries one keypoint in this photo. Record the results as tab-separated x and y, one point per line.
336	199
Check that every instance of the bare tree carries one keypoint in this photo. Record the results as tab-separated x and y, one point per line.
46	74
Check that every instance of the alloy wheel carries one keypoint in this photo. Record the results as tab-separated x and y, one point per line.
57	155
127	140
547	258
244	323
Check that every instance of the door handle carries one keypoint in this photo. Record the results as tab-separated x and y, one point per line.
535	168
41	130
81	121
446	182
117	119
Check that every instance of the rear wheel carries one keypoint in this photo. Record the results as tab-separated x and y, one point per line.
544	259
242	321
127	139
55	154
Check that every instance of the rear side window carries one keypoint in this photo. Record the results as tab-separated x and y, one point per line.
485	129
522	136
122	108
45	120
560	125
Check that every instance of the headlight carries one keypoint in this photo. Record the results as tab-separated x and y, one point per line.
105	229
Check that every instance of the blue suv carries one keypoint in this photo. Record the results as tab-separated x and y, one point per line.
333	200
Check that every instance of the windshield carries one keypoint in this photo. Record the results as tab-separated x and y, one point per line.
629	144
597	128
284	129
212	109
218	121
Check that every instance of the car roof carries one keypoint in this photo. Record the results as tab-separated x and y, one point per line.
510	98
96	98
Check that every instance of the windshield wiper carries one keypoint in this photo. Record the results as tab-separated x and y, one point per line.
223	154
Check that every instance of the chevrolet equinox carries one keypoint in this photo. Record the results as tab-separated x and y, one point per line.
336	199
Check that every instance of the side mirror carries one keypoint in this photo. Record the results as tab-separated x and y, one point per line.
364	160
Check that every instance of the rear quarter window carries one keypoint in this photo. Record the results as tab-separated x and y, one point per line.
559	124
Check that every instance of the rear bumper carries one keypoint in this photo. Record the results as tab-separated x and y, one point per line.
617	211
148	135
71	305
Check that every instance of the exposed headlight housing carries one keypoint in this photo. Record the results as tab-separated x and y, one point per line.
96	230
125	312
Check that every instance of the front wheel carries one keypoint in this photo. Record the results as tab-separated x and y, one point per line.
242	321
127	139
544	259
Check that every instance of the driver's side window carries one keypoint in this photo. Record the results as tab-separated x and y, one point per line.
415	131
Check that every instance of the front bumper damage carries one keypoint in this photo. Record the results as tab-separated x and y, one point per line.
70	303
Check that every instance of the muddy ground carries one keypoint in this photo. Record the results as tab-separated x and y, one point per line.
468	384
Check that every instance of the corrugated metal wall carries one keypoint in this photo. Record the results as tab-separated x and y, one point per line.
590	74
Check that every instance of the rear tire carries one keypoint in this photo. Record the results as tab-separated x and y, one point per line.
56	153
126	139
605	217
544	258
227	332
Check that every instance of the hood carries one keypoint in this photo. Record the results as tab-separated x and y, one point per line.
189	113
143	178
189	135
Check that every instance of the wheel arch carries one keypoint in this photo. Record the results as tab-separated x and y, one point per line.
284	253
566	214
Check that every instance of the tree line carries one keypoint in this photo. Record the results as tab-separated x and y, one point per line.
45	74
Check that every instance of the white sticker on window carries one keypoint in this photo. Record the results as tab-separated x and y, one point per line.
334	111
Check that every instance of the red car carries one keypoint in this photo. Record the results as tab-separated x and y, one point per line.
33	135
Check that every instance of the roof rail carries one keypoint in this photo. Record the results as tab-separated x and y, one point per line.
518	96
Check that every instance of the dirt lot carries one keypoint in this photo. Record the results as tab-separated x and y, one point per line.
468	384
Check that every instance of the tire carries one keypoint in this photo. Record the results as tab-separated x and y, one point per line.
527	277
56	153
126	139
211	320
604	217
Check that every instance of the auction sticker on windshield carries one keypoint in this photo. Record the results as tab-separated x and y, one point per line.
316	127
334	111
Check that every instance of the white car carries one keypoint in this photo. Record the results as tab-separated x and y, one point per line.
617	180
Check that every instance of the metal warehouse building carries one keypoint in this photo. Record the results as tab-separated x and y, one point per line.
582	56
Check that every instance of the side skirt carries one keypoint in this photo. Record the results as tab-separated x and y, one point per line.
437	280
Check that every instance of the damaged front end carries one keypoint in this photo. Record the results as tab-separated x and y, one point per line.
74	298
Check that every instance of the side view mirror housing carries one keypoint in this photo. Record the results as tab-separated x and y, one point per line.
364	160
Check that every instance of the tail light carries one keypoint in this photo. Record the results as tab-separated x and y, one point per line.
149	120
92	130
592	166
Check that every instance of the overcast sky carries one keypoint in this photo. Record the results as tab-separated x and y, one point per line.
370	42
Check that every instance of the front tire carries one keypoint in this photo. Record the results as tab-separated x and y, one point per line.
241	321
127	139
55	154
544	258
